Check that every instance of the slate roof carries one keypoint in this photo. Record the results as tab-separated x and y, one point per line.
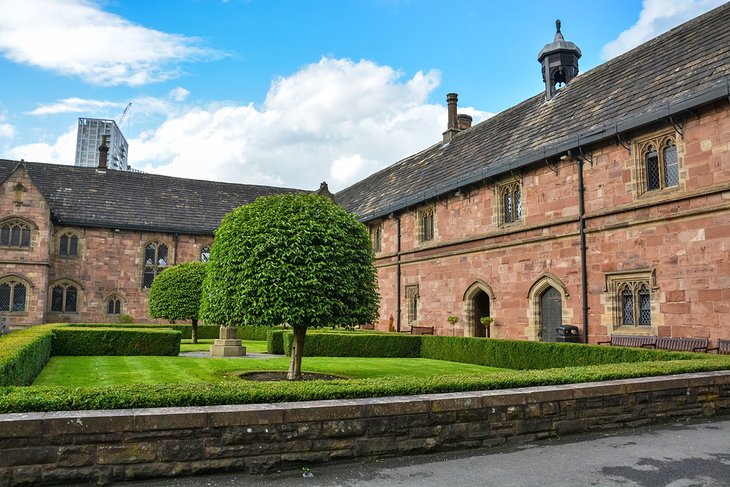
116	199
683	68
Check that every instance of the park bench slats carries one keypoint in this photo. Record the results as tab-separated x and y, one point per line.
630	340
681	344
723	347
422	330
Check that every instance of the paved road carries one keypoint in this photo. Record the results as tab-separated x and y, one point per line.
677	455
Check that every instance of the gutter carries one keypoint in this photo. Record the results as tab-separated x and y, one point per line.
687	102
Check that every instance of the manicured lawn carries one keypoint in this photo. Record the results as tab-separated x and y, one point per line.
204	345
105	371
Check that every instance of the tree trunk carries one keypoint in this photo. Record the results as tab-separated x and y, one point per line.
297	348
194	333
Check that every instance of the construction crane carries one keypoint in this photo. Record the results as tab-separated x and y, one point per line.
124	114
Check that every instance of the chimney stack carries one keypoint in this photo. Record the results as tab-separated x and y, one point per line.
453	125
103	154
464	121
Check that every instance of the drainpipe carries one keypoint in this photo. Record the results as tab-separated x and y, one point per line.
174	256
583	246
397	279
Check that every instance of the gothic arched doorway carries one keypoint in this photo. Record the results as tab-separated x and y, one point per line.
478	300
480	305
551	314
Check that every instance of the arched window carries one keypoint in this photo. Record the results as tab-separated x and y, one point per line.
68	244
510	202
412	303
376	236
205	254
659	163
155	261
631	295
13	295
15	233
426	224
64	297
114	305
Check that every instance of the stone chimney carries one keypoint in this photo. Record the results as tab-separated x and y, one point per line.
103	154
325	191
452	127
464	121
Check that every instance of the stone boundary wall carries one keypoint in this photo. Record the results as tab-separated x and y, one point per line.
109	446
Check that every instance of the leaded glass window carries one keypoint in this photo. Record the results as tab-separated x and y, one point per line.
627	306
155	261
511	202
659	163
632	294
412	303
114	306
64	297
15	233
205	254
68	245
426	224
671	165
13	295
376	236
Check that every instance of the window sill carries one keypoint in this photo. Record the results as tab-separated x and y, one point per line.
644	330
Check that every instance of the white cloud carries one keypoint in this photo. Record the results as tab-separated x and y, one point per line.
6	130
77	38
336	119
179	93
656	17
62	151
76	105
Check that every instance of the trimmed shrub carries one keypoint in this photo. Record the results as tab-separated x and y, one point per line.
69	341
23	354
357	344
126	319
524	355
275	341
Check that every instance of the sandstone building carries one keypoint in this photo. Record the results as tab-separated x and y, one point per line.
603	203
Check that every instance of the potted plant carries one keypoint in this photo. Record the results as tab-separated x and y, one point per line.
486	321
452	321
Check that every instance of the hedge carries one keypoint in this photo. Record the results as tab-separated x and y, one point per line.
526	355
357	344
275	342
114	341
23	354
29	399
205	332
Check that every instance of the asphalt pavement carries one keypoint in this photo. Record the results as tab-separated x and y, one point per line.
682	454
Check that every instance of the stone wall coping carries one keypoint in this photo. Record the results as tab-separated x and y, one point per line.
144	419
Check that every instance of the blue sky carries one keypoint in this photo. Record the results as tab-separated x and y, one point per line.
286	93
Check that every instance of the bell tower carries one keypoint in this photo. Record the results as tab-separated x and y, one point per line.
559	61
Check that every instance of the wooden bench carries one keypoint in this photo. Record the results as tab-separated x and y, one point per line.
631	341
680	344
367	326
422	330
723	347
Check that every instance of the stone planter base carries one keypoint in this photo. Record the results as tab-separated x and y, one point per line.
228	345
227	348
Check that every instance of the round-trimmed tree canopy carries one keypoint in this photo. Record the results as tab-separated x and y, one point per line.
175	293
296	259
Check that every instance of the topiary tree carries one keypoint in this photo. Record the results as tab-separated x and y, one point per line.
294	259
175	294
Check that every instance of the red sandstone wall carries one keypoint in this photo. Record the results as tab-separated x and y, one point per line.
111	262
29	264
682	233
